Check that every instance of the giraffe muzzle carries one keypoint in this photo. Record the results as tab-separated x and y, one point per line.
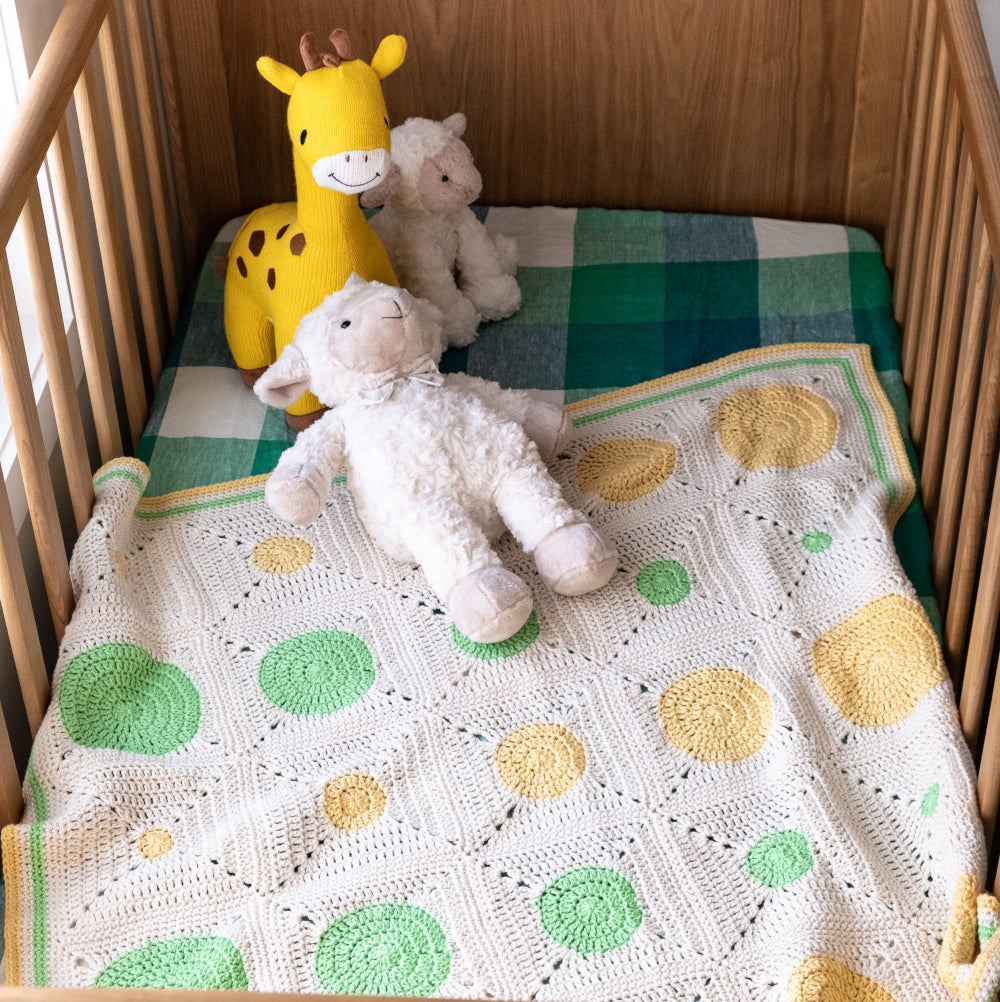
352	171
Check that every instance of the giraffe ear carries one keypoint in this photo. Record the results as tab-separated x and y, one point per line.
285	380
389	55
277	74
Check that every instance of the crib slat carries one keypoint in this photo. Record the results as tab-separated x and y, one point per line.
122	129
892	236
152	142
976	492
982	635
58	366
917	305
921	105
927	330
95	147
31	455
946	357
988	782
83	290
19	618
960	422
44	102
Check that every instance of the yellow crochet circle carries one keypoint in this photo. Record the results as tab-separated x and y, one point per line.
716	715
353	801
779	425
282	554
625	469
540	761
155	842
824	979
879	663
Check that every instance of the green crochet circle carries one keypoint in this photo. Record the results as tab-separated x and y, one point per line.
516	644
118	696
591	909
186	962
319	672
817	542
664	582
391	948
779	859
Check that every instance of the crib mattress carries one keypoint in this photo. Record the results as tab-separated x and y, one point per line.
609	299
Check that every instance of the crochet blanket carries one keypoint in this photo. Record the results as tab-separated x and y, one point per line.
735	772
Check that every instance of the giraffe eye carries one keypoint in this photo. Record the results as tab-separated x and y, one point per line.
386	120
302	138
346	323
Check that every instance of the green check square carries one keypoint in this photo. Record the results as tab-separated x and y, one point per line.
212	277
869	281
801	286
710	290
545	296
179	463
630	236
617	294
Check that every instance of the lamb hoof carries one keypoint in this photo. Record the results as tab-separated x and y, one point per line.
576	559
490	605
299	422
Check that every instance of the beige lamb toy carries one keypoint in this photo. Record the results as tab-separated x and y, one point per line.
438	465
438	248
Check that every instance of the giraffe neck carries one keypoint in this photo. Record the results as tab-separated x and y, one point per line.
325	216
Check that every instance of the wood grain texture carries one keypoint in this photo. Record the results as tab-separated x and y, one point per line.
83	290
32	456
927	329
949	338
963	409
44	104
97	150
152	145
739	107
131	171
58	367
914	163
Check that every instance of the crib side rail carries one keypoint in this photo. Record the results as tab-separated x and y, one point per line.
943	246
110	106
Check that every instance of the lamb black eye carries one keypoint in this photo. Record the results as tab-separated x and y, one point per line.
302	138
444	177
346	323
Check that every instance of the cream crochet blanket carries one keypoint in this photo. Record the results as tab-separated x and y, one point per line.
735	772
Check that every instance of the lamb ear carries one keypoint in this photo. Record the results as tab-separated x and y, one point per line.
385	189
283	382
455	124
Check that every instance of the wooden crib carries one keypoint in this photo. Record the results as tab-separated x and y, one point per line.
883	115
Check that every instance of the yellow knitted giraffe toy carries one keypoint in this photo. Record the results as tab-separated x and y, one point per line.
289	256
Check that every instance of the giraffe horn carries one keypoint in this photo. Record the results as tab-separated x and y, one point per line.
342	43
312	58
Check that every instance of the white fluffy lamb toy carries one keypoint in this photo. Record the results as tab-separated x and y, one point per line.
438	464
438	248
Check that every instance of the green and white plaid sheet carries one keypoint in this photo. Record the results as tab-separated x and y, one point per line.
609	299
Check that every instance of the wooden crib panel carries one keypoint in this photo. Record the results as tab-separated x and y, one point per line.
776	108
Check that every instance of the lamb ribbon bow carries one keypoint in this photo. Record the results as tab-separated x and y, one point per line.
425	371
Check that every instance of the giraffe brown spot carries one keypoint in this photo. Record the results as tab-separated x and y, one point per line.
297	244
242	266
281	232
256	242
270	278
